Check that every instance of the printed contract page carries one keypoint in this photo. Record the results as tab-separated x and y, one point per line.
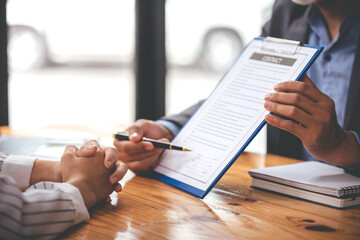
231	114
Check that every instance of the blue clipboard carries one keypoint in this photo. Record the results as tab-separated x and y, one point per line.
202	193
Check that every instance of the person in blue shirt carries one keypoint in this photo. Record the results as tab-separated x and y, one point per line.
322	111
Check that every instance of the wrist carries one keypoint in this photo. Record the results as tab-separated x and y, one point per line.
347	152
57	175
87	194
169	129
167	133
45	171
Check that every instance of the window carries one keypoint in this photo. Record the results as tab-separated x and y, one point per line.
203	39
71	62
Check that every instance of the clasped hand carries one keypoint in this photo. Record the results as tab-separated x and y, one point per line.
93	170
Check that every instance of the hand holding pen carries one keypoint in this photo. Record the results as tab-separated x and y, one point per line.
141	156
157	144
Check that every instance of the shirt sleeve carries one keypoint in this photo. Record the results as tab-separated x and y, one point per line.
18	167
356	136
43	211
181	118
173	128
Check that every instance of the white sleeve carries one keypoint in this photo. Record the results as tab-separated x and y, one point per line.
18	167
43	211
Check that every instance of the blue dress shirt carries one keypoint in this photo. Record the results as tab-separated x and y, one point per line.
331	72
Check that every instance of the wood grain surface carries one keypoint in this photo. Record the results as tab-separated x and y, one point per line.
149	209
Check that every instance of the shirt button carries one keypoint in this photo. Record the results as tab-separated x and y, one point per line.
327	57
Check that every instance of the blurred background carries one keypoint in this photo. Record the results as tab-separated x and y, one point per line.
70	59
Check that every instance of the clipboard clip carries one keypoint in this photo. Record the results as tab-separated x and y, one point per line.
288	46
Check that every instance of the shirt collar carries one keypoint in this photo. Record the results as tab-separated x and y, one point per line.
349	28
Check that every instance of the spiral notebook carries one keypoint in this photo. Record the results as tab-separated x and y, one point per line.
314	181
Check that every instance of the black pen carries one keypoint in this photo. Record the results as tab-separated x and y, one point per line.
156	143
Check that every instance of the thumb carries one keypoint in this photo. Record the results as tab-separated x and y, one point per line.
135	133
87	151
307	80
164	140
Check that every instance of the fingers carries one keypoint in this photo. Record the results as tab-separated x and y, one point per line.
142	128
141	161
146	164
305	87
164	140
71	149
130	147
147	128
87	150
139	130
117	187
292	99
307	80
139	156
110	156
301	101
119	173
135	157
92	143
136	150
286	125
139	167
289	111
135	133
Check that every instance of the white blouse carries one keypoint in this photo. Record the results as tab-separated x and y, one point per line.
43	211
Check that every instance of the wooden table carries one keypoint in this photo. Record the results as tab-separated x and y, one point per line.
149	209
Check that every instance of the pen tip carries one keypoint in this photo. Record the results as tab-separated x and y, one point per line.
186	149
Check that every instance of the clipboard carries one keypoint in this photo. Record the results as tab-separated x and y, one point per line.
262	59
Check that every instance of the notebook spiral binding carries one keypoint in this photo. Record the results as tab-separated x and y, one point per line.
351	190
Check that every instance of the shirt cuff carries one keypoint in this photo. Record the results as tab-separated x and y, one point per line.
81	212
173	128
356	136
19	168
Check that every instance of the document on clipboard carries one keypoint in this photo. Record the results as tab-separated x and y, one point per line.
233	114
